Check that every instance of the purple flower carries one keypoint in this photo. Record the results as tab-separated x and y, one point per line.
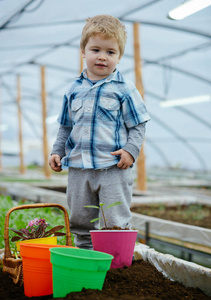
36	229
35	222
42	221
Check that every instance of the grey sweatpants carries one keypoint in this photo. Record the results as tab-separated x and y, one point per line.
91	187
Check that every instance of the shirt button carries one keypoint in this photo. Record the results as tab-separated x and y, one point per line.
88	109
86	130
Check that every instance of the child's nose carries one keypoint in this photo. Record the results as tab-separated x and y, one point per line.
102	56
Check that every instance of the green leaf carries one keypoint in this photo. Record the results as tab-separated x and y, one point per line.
101	204
94	220
113	204
92	206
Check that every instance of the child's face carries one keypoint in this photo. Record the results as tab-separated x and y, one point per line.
102	56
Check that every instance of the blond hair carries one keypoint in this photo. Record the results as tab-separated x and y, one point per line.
106	26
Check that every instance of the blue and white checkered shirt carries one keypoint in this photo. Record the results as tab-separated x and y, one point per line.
99	117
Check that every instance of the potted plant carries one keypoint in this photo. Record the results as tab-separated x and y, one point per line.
35	232
119	242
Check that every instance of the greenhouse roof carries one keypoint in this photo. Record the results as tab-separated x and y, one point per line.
176	63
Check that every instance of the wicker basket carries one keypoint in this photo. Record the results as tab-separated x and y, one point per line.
13	266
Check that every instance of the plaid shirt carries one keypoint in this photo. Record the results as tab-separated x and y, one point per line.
99	117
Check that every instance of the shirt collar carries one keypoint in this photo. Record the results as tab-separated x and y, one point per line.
115	76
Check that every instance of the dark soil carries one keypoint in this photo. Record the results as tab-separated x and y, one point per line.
140	281
115	228
193	214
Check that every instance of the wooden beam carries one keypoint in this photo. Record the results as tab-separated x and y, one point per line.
141	169
45	140
22	167
81	63
0	133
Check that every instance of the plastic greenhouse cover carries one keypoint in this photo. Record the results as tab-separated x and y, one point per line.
176	63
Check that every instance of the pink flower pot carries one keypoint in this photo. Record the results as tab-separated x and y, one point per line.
119	243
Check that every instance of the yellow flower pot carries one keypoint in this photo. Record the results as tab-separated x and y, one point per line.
51	240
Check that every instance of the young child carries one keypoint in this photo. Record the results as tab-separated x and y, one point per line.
102	128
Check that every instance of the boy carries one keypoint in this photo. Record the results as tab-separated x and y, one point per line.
102	127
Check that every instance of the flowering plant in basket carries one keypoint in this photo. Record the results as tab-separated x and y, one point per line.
36	229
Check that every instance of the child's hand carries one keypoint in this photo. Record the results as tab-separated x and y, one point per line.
55	163
126	159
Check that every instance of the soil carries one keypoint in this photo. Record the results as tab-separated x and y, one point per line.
115	228
140	281
193	214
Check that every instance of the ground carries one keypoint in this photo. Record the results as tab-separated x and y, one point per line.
140	281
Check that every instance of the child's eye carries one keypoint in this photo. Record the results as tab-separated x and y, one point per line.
95	50
110	52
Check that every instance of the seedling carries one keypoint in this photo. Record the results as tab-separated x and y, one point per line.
100	207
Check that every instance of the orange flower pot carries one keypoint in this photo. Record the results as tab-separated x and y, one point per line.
37	269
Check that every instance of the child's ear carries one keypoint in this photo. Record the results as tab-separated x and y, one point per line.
83	53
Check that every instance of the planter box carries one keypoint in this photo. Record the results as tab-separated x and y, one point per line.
187	273
189	236
193	237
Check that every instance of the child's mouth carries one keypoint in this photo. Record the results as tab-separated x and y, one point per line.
100	65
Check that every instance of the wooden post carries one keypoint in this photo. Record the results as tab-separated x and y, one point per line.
141	169
22	168
0	132
45	141
81	62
